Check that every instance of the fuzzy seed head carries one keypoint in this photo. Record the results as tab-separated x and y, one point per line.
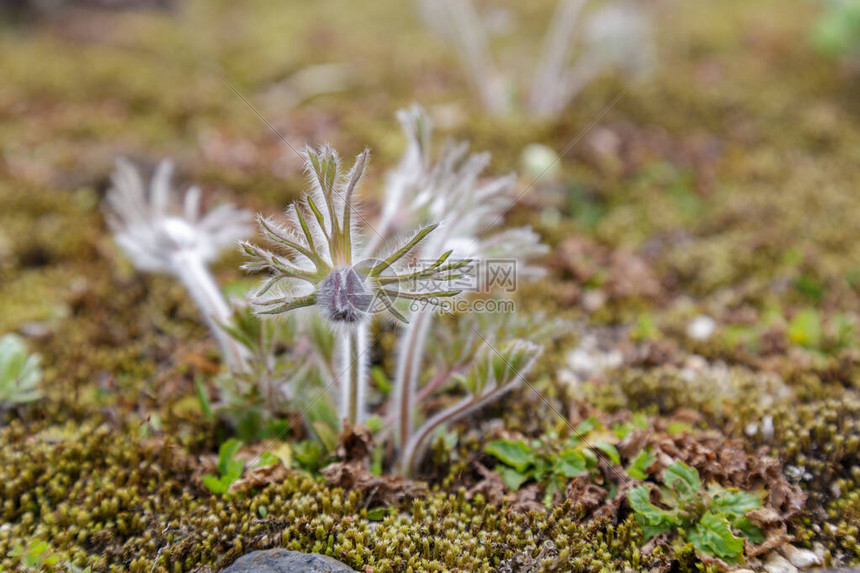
344	296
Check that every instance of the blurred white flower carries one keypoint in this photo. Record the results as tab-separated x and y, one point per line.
159	235
580	45
620	34
453	192
701	327
588	360
156	233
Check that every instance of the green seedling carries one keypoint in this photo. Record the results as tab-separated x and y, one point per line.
712	518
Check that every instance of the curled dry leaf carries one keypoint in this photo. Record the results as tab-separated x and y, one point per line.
586	496
527	500
727	462
354	443
611	508
385	490
260	477
713	561
491	486
773	526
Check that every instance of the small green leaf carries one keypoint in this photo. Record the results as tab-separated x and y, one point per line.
640	501
377	457
326	435
214	484
676	428
377	513
654	520
308	454
20	372
203	398
684	480
263	511
381	379
609	450
590	457
810	287
639	466
645	329
585	427
541	468
713	535
552	487
512	478
805	328
375	423
226	454
571	463
267	459
516	454
750	531
734	502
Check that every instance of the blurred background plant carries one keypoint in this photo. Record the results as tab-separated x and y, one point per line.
579	47
20	373
159	237
836	31
450	190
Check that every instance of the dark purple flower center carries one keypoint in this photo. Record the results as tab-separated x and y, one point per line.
344	296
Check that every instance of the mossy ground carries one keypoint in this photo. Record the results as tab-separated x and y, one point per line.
731	177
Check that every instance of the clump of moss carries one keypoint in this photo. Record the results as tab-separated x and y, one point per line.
841	530
100	496
822	439
722	396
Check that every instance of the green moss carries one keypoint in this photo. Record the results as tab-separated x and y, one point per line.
101	497
735	210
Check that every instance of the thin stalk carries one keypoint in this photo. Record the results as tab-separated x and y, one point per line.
545	94
414	449
434	384
354	360
408	370
474	50
197	279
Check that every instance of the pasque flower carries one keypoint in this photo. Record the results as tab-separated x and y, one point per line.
471	206
315	265
158	235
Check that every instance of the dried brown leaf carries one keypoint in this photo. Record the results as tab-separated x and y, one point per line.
386	490
491	486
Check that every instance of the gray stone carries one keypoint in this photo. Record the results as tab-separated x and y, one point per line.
283	561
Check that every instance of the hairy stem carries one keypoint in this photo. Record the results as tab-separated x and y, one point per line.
414	448
354	370
408	370
200	283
